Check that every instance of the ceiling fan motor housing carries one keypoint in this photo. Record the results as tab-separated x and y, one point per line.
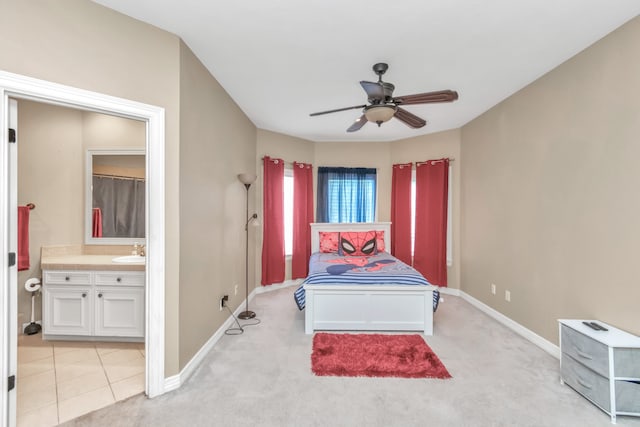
380	68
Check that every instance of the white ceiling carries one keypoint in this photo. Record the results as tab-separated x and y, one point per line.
283	59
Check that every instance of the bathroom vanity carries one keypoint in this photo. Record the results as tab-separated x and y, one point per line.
91	297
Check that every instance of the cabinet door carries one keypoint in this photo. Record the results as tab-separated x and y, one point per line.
119	312
67	310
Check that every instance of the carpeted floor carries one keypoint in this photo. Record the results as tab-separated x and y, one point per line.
264	378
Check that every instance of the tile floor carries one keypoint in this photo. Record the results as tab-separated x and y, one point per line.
61	380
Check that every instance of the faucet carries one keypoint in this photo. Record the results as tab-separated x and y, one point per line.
138	249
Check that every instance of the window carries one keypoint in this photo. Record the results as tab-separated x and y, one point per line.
346	194
449	215
288	212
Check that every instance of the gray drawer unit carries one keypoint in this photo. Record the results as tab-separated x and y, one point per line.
603	366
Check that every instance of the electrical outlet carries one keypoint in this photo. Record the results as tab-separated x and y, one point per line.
507	296
223	301
493	288
235	291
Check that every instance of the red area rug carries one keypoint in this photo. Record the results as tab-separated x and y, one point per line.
375	355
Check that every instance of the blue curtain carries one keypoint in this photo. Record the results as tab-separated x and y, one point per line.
346	194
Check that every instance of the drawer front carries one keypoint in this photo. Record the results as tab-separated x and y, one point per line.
586	382
67	277
120	278
628	396
589	352
627	362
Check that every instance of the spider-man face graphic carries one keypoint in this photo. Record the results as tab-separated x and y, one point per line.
358	243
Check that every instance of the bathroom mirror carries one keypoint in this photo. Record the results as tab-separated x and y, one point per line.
115	196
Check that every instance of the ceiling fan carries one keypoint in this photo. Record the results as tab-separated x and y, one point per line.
383	105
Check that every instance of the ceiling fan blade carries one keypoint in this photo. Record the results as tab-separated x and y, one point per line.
337	110
358	124
427	98
375	90
378	91
409	119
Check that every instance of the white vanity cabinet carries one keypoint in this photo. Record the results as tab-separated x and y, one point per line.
100	304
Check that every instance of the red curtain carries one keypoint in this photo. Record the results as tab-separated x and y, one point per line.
302	216
401	212
430	252
273	228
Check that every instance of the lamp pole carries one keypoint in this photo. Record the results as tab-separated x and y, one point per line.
247	314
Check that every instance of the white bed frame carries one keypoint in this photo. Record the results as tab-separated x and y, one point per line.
366	307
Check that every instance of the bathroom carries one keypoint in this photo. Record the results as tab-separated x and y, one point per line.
53	147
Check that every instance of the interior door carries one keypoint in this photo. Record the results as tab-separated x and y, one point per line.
9	270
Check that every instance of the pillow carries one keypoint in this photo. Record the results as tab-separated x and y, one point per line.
328	241
380	241
357	243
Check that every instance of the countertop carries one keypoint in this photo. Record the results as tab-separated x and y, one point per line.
87	262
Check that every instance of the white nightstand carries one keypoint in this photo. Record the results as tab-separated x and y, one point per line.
603	366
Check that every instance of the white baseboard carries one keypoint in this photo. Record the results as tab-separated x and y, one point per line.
172	383
528	334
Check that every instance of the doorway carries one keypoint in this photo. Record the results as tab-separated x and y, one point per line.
19	87
60	378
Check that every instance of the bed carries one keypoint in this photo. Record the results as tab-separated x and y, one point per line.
365	307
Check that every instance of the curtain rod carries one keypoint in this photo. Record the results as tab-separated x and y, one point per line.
451	159
103	175
283	161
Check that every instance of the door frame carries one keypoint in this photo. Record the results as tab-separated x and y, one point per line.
21	87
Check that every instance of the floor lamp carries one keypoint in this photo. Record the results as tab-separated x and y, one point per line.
247	179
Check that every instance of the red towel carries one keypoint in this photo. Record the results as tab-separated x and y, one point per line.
23	238
97	223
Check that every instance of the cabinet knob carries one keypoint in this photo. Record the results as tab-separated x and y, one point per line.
84	295
99	295
118	280
66	278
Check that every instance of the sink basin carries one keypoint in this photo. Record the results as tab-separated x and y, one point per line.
129	259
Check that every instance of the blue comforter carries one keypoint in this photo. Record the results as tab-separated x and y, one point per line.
380	269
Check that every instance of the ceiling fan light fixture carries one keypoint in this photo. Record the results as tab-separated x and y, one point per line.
379	113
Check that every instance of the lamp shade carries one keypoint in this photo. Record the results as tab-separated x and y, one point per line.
379	113
247	178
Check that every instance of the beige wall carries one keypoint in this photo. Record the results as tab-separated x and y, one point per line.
437	146
51	174
217	142
82	44
550	193
46	132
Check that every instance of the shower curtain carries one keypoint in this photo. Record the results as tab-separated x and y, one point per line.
121	201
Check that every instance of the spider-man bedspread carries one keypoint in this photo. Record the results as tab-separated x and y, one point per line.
380	269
